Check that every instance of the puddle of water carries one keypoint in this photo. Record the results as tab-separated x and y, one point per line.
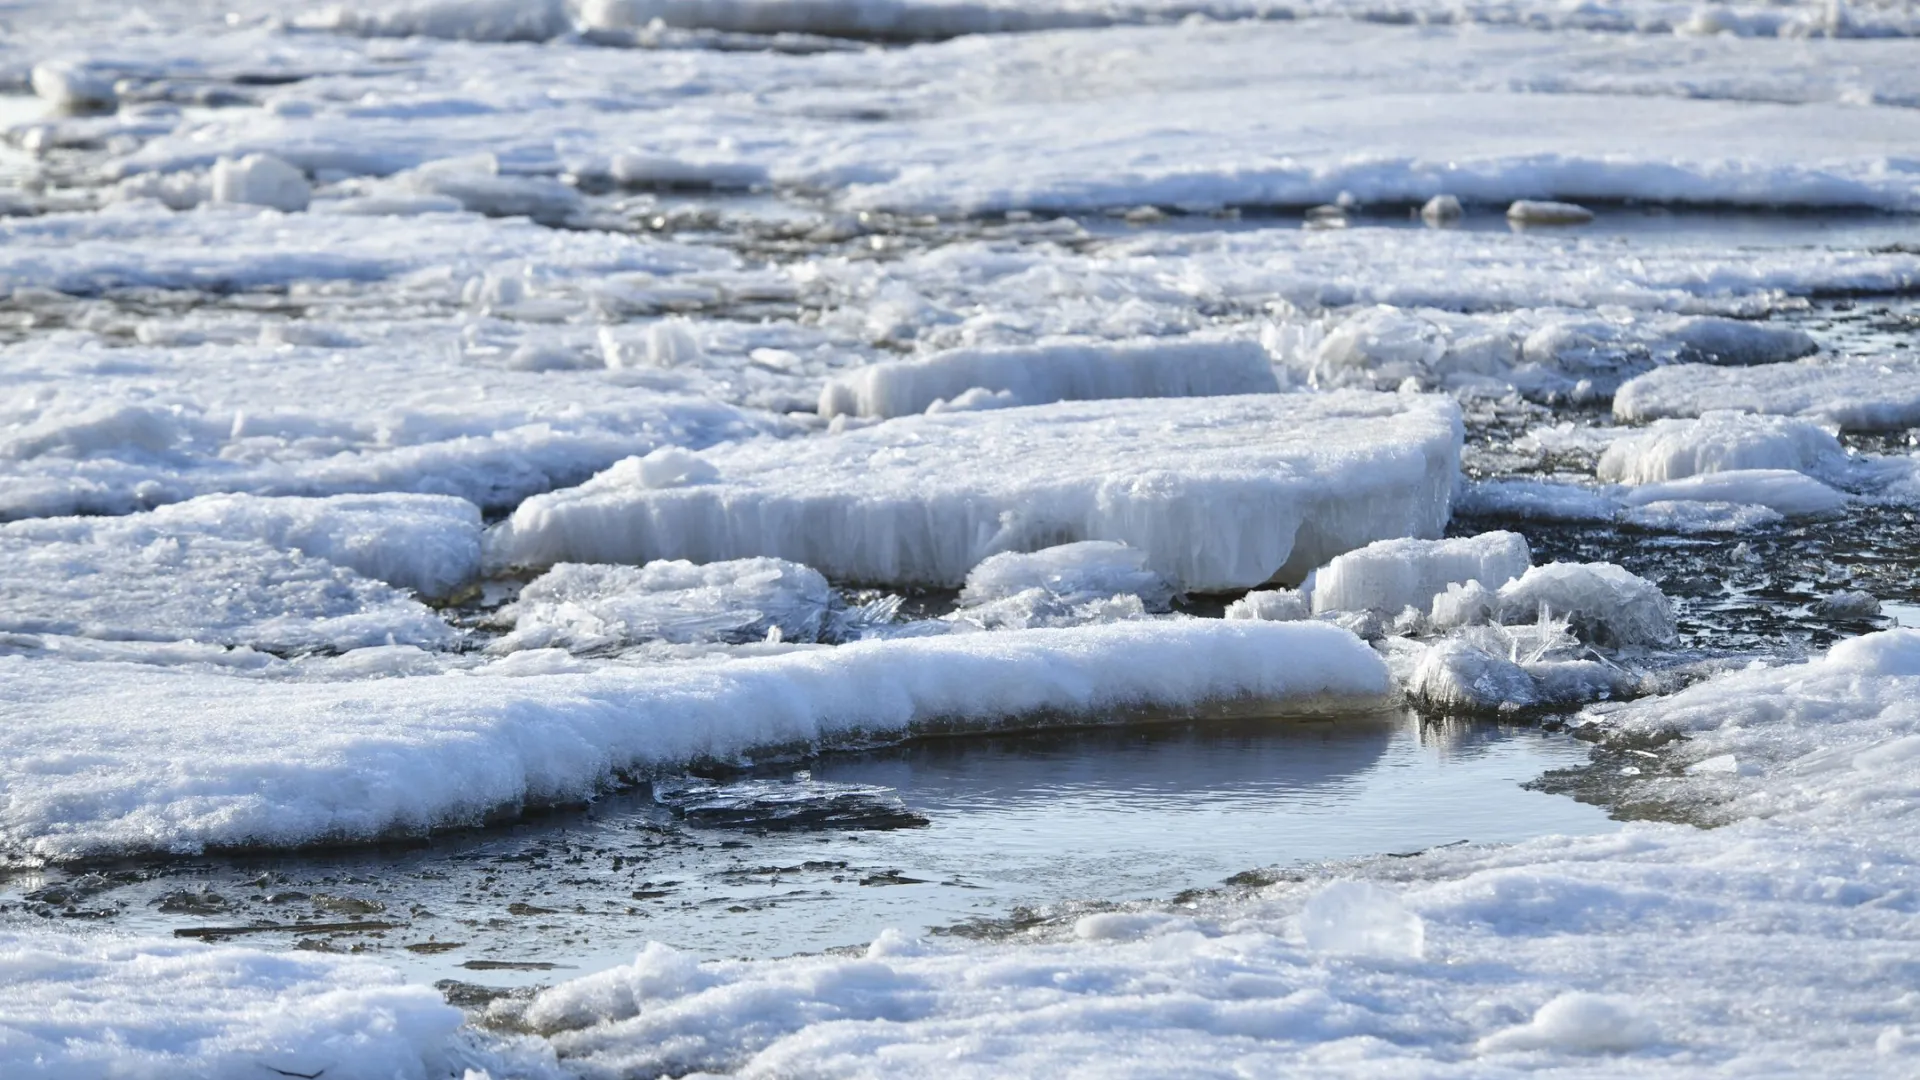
1012	822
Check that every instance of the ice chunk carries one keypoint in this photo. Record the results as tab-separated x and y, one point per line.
1389	575
261	180
97	757
476	184
1087	582
585	607
1088	570
1740	342
1271	605
75	85
1538	212
1442	210
1038	374
1849	604
1220	493
1579	1023
1360	918
1472	673
1782	490
469	20
1851	394
1720	442
144	578
1603	603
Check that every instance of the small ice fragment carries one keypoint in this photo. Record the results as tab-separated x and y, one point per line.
1362	919
1720	442
1543	212
1270	605
1851	604
1603	603
261	180
1721	765
668	467
1327	217
74	85
1144	215
1783	490
1389	575
1442	210
1578	1023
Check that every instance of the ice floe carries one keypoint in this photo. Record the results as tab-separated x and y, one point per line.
103	757
1039	374
1219	492
1854	394
1720	441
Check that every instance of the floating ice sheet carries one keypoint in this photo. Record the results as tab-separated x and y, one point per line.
1219	492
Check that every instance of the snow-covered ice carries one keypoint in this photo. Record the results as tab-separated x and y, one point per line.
103	757
1219	492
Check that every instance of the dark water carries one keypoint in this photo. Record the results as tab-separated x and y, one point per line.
1015	827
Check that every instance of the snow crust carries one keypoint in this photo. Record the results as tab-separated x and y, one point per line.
104	757
1039	374
1219	492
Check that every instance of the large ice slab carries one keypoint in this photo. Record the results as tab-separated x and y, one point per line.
99	757
1038	374
1219	492
1853	394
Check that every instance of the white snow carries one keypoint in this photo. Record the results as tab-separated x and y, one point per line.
1219	492
1579	1023
583	607
81	1008
1390	575
1039	374
1856	394
100	756
1720	441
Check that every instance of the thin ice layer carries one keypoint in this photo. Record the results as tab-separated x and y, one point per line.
584	607
1390	575
153	578
1880	394
100	757
1038	374
1219	492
